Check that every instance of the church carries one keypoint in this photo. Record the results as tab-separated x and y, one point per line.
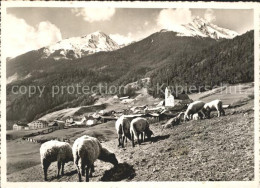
169	98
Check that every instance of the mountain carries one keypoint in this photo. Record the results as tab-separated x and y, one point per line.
226	62
202	28
77	47
189	60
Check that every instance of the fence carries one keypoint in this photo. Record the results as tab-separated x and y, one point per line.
46	131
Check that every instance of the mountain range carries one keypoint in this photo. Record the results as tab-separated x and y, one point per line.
196	59
203	28
77	47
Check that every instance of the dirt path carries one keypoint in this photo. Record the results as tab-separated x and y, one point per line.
205	150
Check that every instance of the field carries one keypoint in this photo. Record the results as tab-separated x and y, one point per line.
216	149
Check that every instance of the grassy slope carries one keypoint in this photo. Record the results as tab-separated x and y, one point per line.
228	94
214	149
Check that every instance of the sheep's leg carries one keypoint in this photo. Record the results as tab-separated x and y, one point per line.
218	113
119	140
223	112
91	170
209	111
87	174
138	140
123	140
203	114
45	168
59	166
142	137
45	173
133	142
79	174
62	168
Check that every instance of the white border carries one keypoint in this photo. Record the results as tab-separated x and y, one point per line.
215	5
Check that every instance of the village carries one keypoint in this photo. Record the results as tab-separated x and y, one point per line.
164	121
165	109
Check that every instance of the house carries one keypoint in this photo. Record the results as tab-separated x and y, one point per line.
91	122
69	120
169	98
20	126
38	124
123	98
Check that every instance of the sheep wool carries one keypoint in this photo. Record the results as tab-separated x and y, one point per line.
86	150
52	151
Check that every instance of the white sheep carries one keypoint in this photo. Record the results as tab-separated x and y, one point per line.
123	130
139	126
193	108
214	105
86	150
52	151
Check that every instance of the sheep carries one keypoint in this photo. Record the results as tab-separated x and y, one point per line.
214	105
123	130
173	121
196	116
52	151
193	108
86	150
140	126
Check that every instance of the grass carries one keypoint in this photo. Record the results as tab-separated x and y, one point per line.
12	135
228	95
23	154
205	150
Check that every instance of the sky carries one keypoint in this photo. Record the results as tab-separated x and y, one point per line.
30	28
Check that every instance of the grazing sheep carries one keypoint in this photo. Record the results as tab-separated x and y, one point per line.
123	130
52	151
214	105
86	150
140	126
197	116
173	121
193	108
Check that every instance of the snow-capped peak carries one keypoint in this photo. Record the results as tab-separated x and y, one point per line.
203	28
77	47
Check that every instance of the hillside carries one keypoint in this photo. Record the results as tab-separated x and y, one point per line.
186	58
196	150
228	62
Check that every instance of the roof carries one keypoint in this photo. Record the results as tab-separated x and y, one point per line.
53	124
21	124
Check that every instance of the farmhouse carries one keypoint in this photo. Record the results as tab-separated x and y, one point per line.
20	126
69	120
91	121
38	124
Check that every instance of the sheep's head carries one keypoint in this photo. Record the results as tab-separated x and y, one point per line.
112	159
186	117
107	156
149	133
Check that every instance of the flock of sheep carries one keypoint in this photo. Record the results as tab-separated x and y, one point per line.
201	110
86	149
84	152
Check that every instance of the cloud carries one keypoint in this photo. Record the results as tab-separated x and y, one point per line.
121	39
94	14
172	19
22	37
209	15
